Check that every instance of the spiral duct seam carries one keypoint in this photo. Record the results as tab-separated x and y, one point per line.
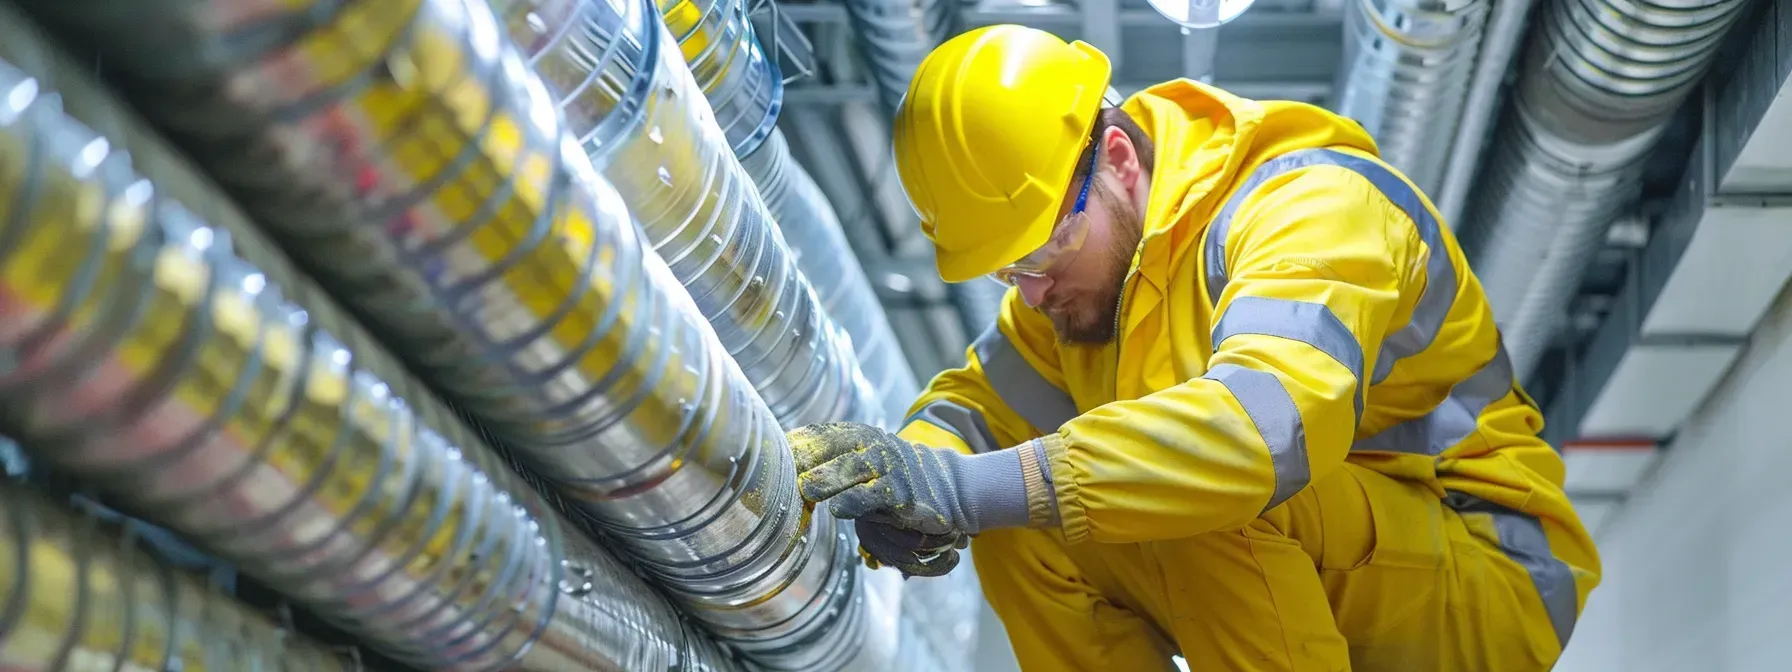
231	402
406	151
76	595
1600	80
1406	74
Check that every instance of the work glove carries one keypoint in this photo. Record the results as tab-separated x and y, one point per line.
864	472
910	552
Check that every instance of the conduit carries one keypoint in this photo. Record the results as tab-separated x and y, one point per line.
75	595
1406	73
626	89
406	151
1599	82
894	36
203	385
746	89
819	244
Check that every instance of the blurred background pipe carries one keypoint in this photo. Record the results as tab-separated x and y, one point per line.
1599	82
200	383
894	36
431	195
1406	74
1505	32
77	595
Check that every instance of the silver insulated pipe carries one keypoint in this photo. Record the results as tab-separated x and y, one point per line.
894	36
165	353
1406	73
624	85
431	192
819	243
76	594
745	88
1599	82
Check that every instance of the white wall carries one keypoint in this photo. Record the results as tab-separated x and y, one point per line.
1698	562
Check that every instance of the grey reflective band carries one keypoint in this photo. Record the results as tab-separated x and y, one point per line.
1020	386
1311	323
1453	420
1522	539
1278	422
1440	275
964	423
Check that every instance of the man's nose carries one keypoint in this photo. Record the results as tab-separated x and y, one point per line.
1033	289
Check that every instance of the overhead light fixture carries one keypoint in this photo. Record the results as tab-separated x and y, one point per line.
1201	13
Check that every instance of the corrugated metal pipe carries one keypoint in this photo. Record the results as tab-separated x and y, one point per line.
625	87
816	238
77	595
202	384
432	193
1505	32
1406	73
744	86
894	36
1600	80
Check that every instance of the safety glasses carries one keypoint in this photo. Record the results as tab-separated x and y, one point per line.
1066	240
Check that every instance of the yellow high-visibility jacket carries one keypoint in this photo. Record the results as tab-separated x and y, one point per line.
1294	304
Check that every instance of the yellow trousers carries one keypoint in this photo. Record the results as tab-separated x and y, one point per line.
1358	572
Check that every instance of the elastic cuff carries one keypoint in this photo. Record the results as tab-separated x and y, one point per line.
1071	518
1042	507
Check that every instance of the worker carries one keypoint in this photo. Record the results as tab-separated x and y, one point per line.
1244	400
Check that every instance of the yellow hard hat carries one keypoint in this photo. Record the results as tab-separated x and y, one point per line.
987	137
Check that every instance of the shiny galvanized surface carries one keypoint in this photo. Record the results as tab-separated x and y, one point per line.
427	188
808	221
618	73
1599	83
236	405
1406	74
76	595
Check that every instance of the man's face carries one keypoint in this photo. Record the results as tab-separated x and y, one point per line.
1081	293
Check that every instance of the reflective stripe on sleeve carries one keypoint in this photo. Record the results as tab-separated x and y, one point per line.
1020	386
1278	422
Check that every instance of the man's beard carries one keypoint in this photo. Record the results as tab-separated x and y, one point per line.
1094	320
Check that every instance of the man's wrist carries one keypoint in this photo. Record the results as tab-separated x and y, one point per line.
1036	475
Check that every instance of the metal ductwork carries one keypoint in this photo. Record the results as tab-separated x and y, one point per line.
741	82
164	353
625	88
78	596
821	250
432	193
1599	81
1406	74
744	86
894	36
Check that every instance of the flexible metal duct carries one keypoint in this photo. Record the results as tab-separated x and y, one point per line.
434	195
202	384
1600	81
1505	32
742	82
625	87
74	596
819	243
894	36
1406	72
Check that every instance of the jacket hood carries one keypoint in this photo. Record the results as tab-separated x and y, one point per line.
1207	141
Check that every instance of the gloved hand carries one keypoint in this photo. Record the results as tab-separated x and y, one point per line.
910	552
872	474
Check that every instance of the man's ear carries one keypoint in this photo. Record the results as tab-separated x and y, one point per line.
1122	159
